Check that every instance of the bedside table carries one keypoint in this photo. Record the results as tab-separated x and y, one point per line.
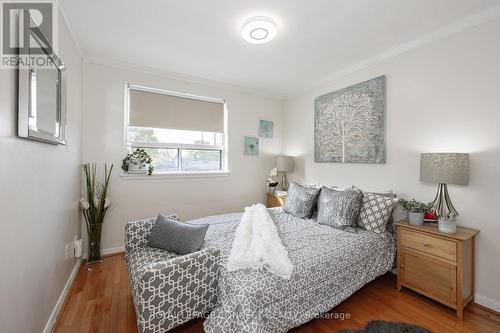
437	265
274	200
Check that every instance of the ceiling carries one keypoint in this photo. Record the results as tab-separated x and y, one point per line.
316	38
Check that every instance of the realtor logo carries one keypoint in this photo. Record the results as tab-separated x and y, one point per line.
28	32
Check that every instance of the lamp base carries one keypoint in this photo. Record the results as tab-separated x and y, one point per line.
447	226
442	205
283	183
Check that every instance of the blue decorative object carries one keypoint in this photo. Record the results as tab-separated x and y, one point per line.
251	146
266	128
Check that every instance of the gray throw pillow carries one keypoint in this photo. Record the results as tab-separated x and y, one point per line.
376	211
176	236
339	209
398	213
300	200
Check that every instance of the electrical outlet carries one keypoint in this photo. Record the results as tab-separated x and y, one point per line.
66	252
77	245
73	247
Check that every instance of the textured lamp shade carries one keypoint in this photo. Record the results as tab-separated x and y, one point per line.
445	168
284	163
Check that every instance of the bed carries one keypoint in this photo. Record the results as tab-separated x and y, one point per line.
329	266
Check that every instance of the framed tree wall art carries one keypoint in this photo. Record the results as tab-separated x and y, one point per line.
349	124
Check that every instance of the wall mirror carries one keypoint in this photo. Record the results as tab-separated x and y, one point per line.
42	87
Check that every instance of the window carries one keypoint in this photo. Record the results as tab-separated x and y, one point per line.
182	133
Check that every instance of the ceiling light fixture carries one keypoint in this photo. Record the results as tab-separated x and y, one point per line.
259	30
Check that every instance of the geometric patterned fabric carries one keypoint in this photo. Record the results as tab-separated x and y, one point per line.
168	289
375	212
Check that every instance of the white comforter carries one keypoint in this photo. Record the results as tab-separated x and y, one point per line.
257	244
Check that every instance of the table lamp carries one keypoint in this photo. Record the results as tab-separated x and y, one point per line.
444	169
284	164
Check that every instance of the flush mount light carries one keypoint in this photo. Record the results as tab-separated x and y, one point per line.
259	30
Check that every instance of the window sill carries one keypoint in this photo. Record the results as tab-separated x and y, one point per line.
170	175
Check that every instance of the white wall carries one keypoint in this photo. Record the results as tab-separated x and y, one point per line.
103	136
39	191
444	96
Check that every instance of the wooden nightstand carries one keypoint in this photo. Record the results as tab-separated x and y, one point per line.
437	265
274	200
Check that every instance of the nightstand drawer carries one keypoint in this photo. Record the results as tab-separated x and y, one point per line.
433	278
428	244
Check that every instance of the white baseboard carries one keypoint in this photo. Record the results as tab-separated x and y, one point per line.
114	250
60	302
487	302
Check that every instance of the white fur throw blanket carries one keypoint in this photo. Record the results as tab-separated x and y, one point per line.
257	244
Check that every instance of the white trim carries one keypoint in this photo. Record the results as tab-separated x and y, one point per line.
126	118
71	31
447	31
487	302
225	138
114	250
62	298
178	174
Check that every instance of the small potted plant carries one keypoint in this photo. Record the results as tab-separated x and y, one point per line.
138	162
271	181
416	210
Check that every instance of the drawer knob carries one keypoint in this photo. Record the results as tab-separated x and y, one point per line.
425	244
402	266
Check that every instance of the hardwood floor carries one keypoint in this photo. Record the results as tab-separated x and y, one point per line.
100	301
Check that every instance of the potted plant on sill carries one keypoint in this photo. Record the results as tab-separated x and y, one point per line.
272	182
416	210
138	162
94	207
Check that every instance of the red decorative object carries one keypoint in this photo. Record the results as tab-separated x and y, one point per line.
430	216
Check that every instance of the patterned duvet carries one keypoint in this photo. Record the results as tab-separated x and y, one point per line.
329	266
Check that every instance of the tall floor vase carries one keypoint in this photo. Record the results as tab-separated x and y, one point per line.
94	207
94	242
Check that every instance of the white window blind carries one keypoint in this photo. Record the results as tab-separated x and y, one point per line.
158	110
182	133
